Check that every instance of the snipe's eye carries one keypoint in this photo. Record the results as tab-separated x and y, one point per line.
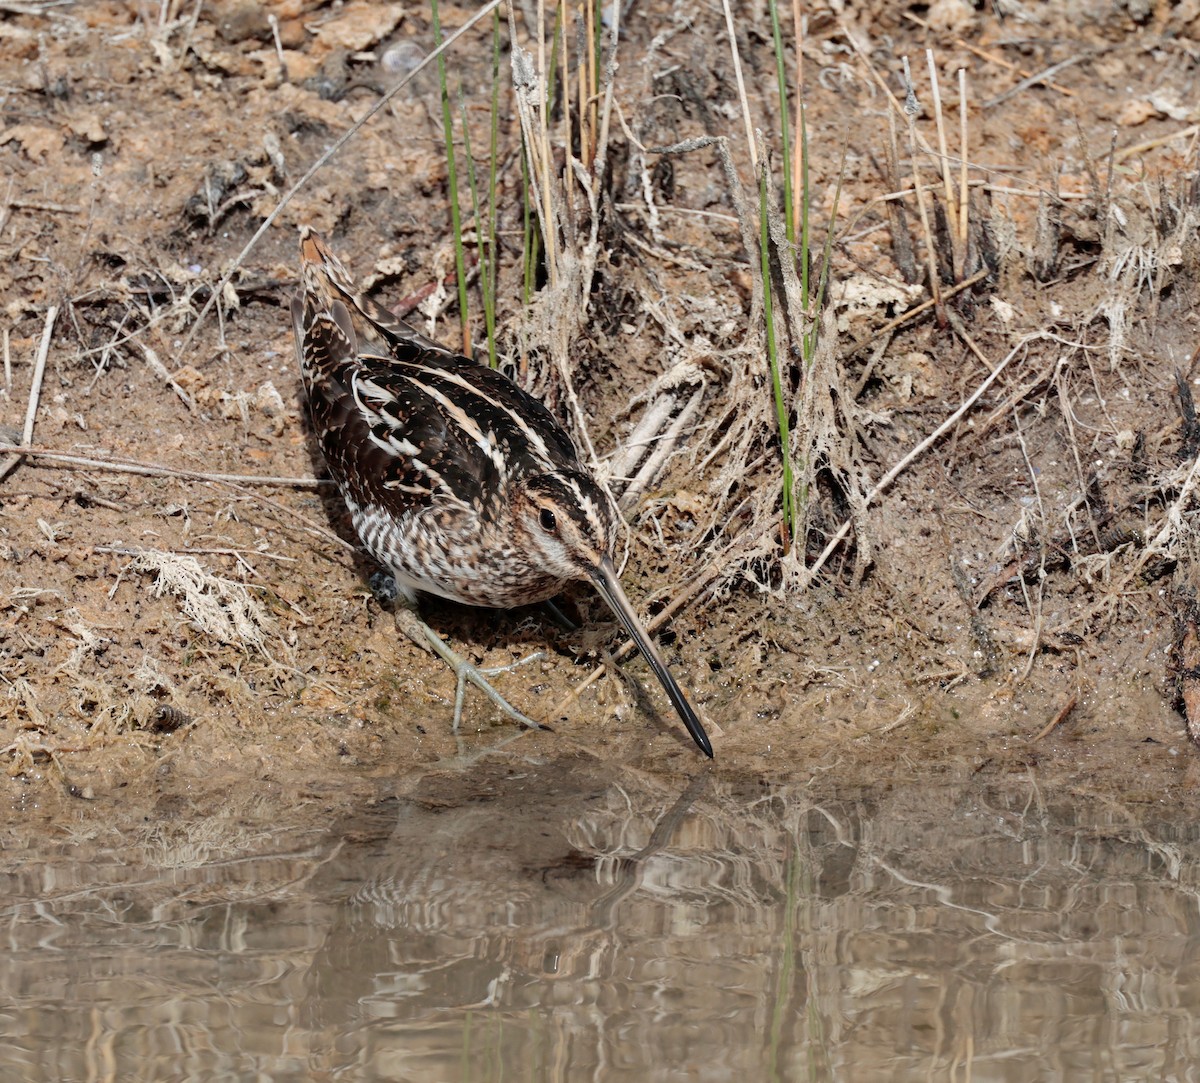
549	523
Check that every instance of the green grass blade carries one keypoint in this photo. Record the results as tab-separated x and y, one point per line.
493	168
785	142
460	263
781	409
486	253
552	75
805	209
529	246
814	334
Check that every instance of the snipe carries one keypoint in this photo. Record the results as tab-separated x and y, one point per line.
459	483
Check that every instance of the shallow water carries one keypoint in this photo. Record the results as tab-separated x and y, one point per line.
575	920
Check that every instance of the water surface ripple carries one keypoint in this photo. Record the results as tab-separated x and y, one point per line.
576	920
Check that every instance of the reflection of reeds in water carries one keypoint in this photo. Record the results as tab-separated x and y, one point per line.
920	932
523	917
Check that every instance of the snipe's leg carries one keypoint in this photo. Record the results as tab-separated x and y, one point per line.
409	621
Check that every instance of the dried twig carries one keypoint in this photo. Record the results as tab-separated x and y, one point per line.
35	390
308	526
1059	718
273	22
153	470
42	205
741	84
910	110
964	203
935	88
891	325
160	370
1039	77
1150	144
6	209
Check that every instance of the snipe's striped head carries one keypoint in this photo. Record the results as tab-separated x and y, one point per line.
459	481
566	520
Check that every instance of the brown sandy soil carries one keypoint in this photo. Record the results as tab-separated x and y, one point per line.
168	641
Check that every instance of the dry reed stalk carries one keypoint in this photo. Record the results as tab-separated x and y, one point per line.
530	94
902	245
910	111
964	201
568	179
587	96
550	237
943	150
572	252
582	76
866	61
35	390
1029	193
741	85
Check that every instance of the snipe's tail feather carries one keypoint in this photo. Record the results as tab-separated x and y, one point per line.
323	276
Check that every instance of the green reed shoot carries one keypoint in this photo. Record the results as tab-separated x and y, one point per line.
552	89
493	174
486	251
811	300
485	217
809	345
460	263
781	406
529	242
785	142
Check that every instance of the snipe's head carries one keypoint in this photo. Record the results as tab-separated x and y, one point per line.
570	527
565	523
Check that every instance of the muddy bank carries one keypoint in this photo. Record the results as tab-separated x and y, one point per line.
1008	601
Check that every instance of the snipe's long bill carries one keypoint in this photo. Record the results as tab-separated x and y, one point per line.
460	483
609	586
